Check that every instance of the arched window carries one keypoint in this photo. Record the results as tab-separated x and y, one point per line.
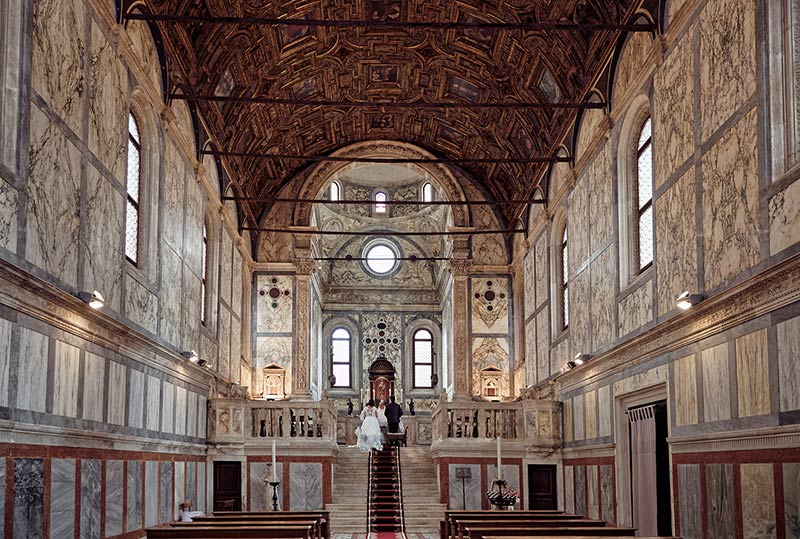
334	194
204	283
423	358
380	202
427	192
133	189
341	357
643	195
564	274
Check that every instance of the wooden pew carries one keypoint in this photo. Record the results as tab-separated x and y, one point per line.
320	519
487	530
574	537
224	523
460	525
275	530
447	527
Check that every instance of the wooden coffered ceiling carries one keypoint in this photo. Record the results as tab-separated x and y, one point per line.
387	63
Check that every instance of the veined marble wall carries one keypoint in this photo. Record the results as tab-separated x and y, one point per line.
305	483
491	312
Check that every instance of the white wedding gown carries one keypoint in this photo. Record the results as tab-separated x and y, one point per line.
369	433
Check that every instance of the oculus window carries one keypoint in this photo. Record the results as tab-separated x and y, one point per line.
381	259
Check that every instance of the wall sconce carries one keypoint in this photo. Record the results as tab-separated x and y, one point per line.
580	359
94	299
687	300
191	355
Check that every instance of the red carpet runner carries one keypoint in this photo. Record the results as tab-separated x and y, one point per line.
384	503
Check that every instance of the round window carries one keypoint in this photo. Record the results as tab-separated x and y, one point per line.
381	259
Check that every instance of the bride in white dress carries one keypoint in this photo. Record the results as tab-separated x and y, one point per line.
369	433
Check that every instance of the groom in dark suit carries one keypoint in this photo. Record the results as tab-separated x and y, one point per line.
393	413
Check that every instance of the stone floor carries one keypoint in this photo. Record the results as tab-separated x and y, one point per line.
415	535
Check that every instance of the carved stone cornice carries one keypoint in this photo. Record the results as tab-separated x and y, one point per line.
304	266
460	267
771	289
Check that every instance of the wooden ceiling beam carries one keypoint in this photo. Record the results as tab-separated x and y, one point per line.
398	25
384	233
276	200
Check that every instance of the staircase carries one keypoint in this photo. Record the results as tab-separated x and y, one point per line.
350	477
386	513
421	508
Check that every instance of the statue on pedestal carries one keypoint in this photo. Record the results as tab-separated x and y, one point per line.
349	407
411	407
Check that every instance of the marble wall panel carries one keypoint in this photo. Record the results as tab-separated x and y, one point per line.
603	299
510	475
568	421
91	478
224	367
237	283
180	487
530	352
116	393
607	493
529	282
202	416
632	61
180	410
730	203
28	497
491	353
655	376
136	399
490	316
195	221
153	403
59	47
236	348
716	384
5	359
542	345
113	506
145	48
225	277
569	489
636	309
727	60
171	302
591	124
784	219
141	306
604	409
191	414
167	407
108	92
758	501
689	500
685	391
470	495
305	486
590	399
721	511
3	465
592	491
673	110
192	290
93	387
201	486
151	481
31	384
579	417
174	185
133	509
191	483
65	379
260	491
600	177
274	315
788	366
580	490
752	374
9	213
791	499
62	498
676	242
541	269
165	514
53	189
559	355
577	231
579	316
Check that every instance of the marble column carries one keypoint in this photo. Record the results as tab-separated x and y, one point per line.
302	356
461	353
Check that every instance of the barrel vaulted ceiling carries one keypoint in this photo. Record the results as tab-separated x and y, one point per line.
396	64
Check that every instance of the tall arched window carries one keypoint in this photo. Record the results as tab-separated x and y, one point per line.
423	358
427	192
335	192
643	194
204	283
564	273
341	357
380	202
133	189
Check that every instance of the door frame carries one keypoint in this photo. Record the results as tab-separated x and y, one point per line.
547	461
244	472
554	468
622	455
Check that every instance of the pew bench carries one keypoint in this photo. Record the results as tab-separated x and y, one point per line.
448	527
292	531
319	519
460	526
569	531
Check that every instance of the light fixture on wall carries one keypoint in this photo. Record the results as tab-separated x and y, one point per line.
687	300
94	299
192	356
580	359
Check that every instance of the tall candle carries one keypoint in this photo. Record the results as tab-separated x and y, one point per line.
275	464
499	461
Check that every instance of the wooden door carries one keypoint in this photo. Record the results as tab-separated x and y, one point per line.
227	486
541	486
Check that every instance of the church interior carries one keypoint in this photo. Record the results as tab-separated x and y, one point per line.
564	236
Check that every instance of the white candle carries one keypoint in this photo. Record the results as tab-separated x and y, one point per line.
274	464
499	461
